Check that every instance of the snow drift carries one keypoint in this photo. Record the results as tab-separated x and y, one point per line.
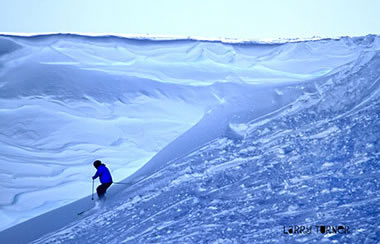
247	137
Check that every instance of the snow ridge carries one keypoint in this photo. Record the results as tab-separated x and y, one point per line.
314	162
229	128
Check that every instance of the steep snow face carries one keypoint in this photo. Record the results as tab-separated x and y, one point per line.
312	162
67	100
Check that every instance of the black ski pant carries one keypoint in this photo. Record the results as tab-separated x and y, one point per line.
101	190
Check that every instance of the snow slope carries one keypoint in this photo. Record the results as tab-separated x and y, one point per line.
278	123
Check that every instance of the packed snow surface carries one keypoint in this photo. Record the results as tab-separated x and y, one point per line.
280	135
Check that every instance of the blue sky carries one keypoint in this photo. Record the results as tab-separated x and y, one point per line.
253	19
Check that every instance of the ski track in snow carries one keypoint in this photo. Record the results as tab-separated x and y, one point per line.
308	157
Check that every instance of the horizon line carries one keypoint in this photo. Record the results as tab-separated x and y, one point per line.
174	37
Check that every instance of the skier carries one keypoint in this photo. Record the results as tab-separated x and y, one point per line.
105	178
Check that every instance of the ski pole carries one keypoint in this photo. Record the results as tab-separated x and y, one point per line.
92	195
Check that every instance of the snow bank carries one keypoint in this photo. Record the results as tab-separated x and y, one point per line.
312	161
68	100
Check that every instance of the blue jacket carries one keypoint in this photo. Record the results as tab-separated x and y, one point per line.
104	174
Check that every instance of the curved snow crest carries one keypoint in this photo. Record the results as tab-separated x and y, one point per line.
69	100
314	161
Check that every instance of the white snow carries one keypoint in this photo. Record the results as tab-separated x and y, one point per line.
68	100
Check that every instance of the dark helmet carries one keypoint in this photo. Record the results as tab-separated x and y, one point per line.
97	163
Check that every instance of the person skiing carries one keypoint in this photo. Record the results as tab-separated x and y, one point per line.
105	178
